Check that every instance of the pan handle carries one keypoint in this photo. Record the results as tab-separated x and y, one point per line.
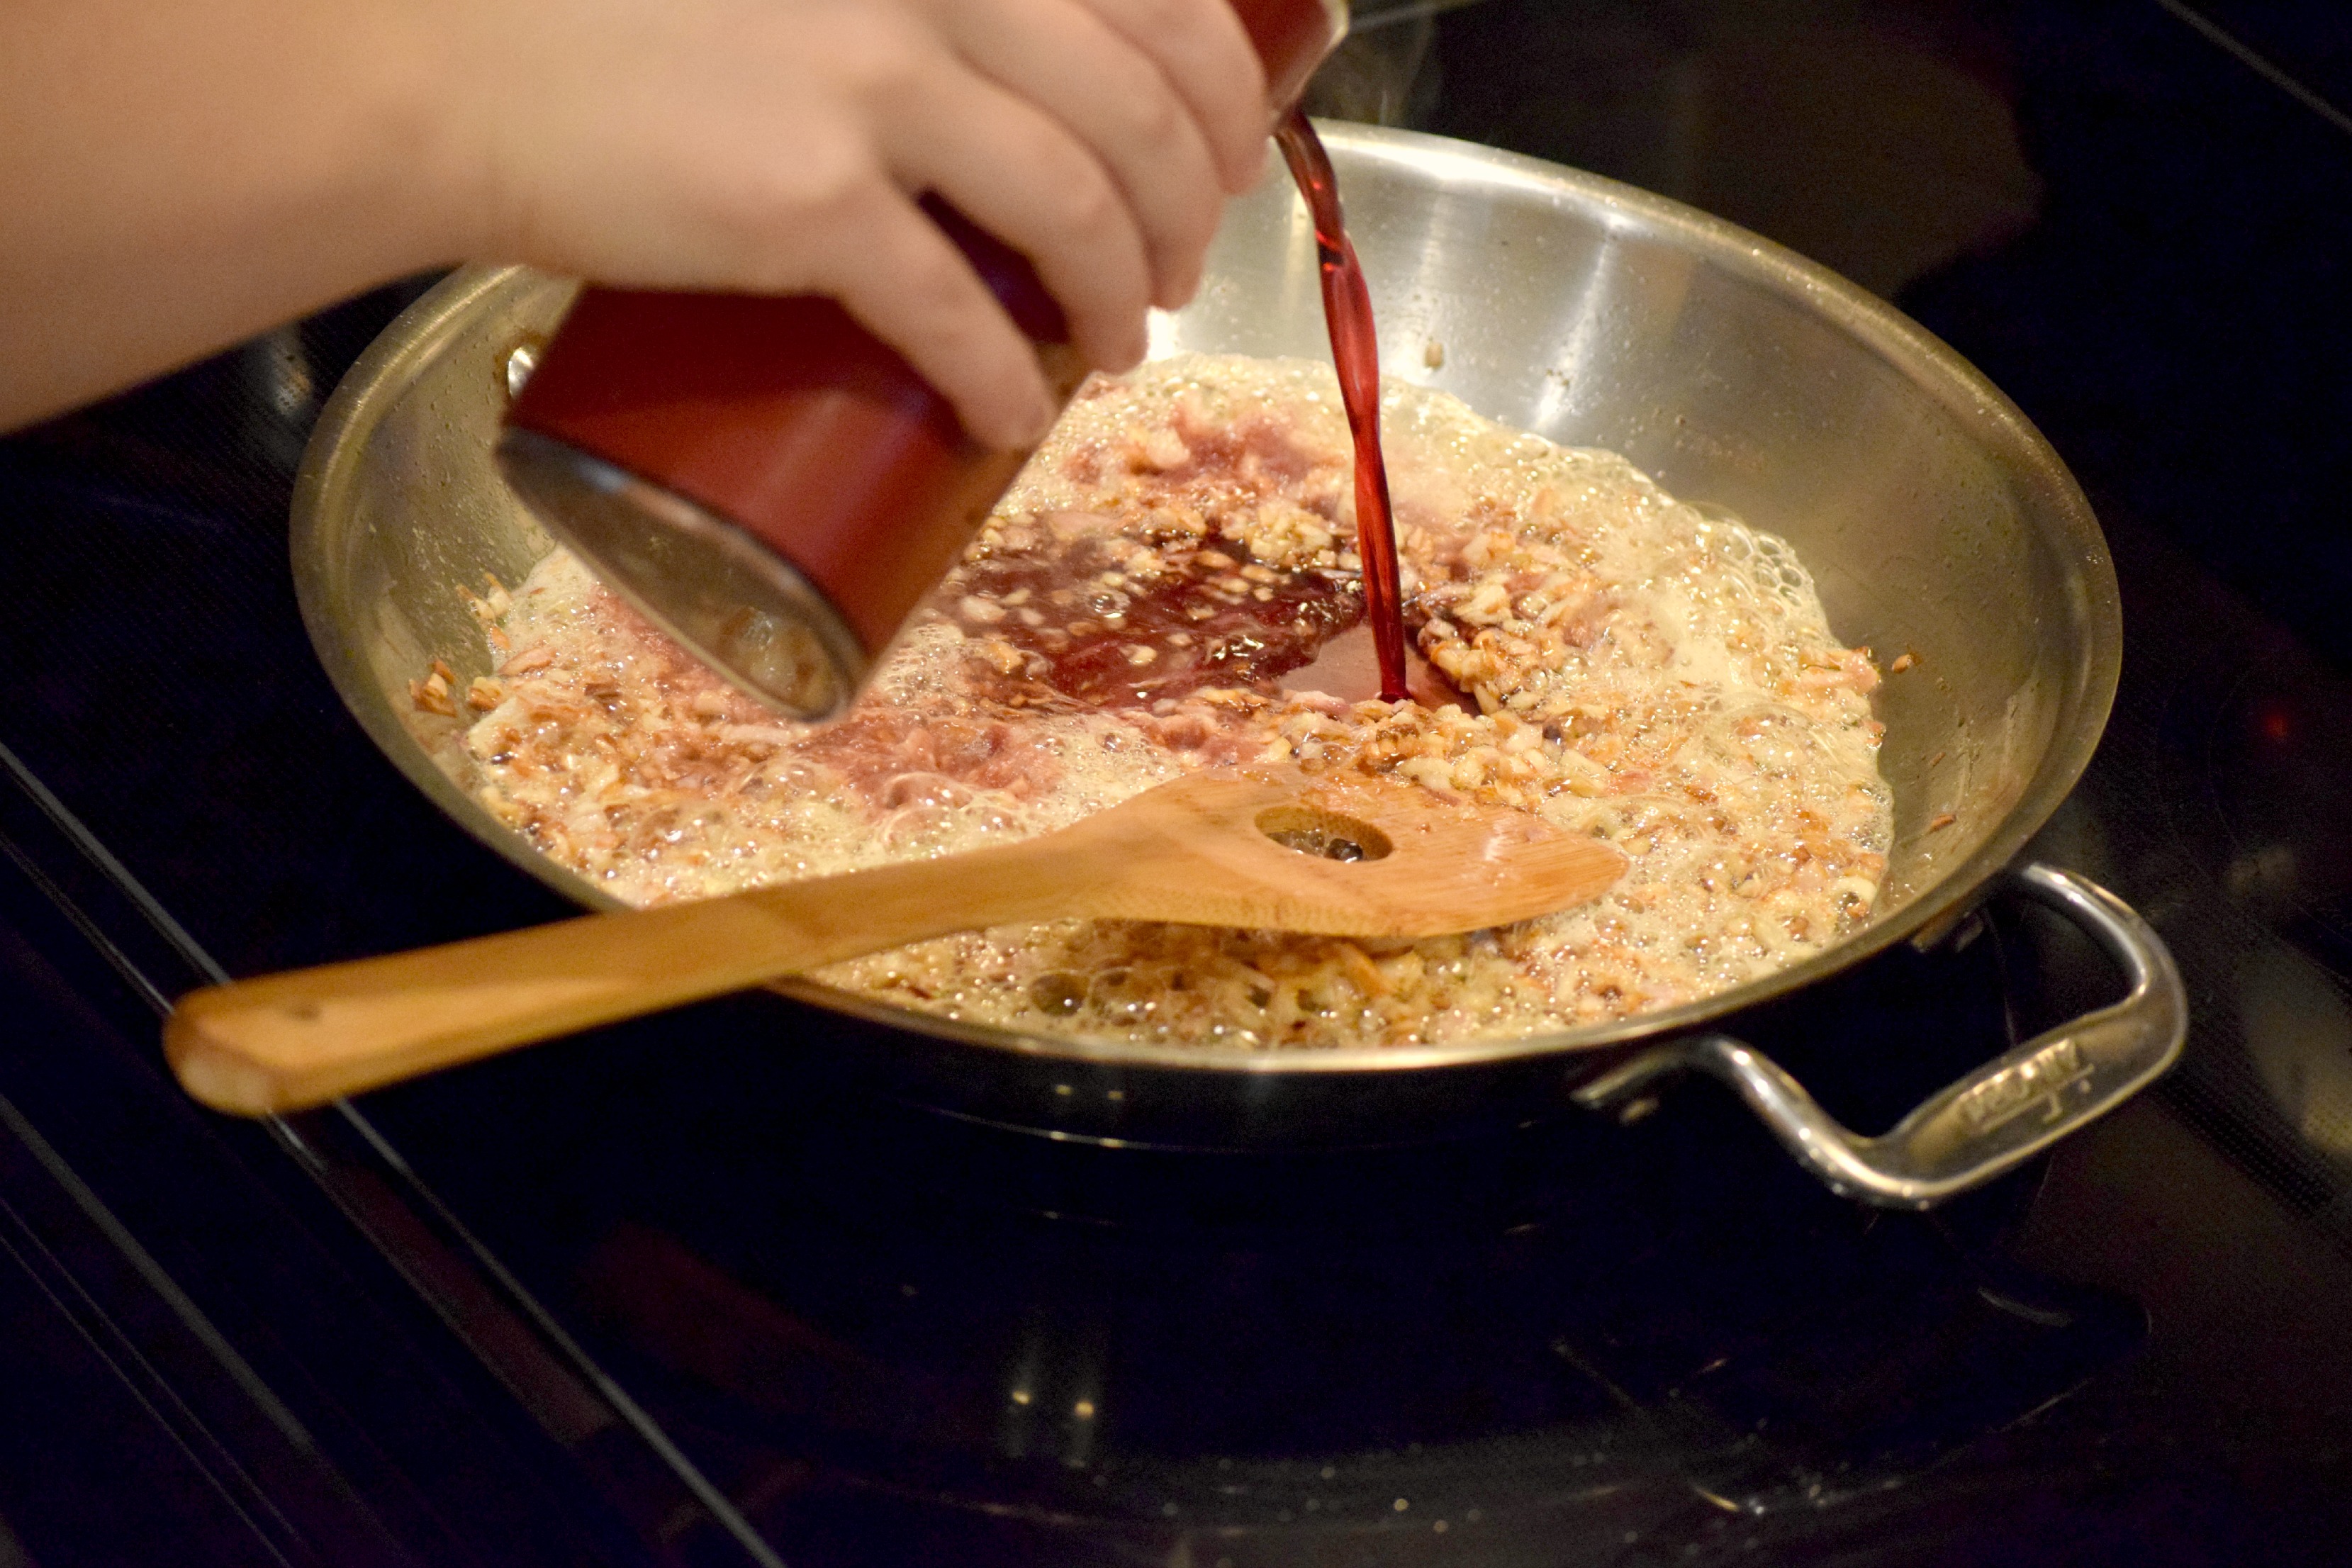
1999	1115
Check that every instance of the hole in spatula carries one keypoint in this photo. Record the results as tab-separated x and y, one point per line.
1326	834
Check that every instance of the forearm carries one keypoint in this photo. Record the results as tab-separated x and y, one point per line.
178	175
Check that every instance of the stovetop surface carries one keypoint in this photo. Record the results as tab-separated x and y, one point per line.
758	1313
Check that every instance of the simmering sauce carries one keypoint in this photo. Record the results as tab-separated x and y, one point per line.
1183	543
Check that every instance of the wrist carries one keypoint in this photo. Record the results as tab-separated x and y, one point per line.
413	157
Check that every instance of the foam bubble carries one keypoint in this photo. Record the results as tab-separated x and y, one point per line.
1638	669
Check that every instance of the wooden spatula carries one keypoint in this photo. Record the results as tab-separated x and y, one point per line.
1252	848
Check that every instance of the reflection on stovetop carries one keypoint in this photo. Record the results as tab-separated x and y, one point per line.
2267	740
891	1334
2221	806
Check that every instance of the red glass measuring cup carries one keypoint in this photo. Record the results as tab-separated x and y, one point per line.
767	481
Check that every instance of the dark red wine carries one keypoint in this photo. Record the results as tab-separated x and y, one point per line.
1356	355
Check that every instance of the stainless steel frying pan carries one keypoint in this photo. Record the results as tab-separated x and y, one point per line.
1936	520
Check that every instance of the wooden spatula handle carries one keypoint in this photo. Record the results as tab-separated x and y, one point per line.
283	1042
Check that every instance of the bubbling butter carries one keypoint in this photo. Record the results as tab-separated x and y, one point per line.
1631	669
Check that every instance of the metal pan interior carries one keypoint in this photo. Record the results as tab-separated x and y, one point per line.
1935	518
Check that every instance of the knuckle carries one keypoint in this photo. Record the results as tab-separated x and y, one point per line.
1086	206
807	226
941	288
827	181
1163	21
881	54
1154	117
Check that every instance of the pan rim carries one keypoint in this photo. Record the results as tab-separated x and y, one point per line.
328	476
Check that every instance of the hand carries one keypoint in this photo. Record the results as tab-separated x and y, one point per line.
780	146
176	177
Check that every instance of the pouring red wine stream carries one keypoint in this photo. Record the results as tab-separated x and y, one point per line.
1356	356
732	464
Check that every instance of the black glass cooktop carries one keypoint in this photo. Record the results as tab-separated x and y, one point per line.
693	1291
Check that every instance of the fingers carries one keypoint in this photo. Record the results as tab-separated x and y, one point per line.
1022	177
909	286
1060	55
1202	49
780	145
